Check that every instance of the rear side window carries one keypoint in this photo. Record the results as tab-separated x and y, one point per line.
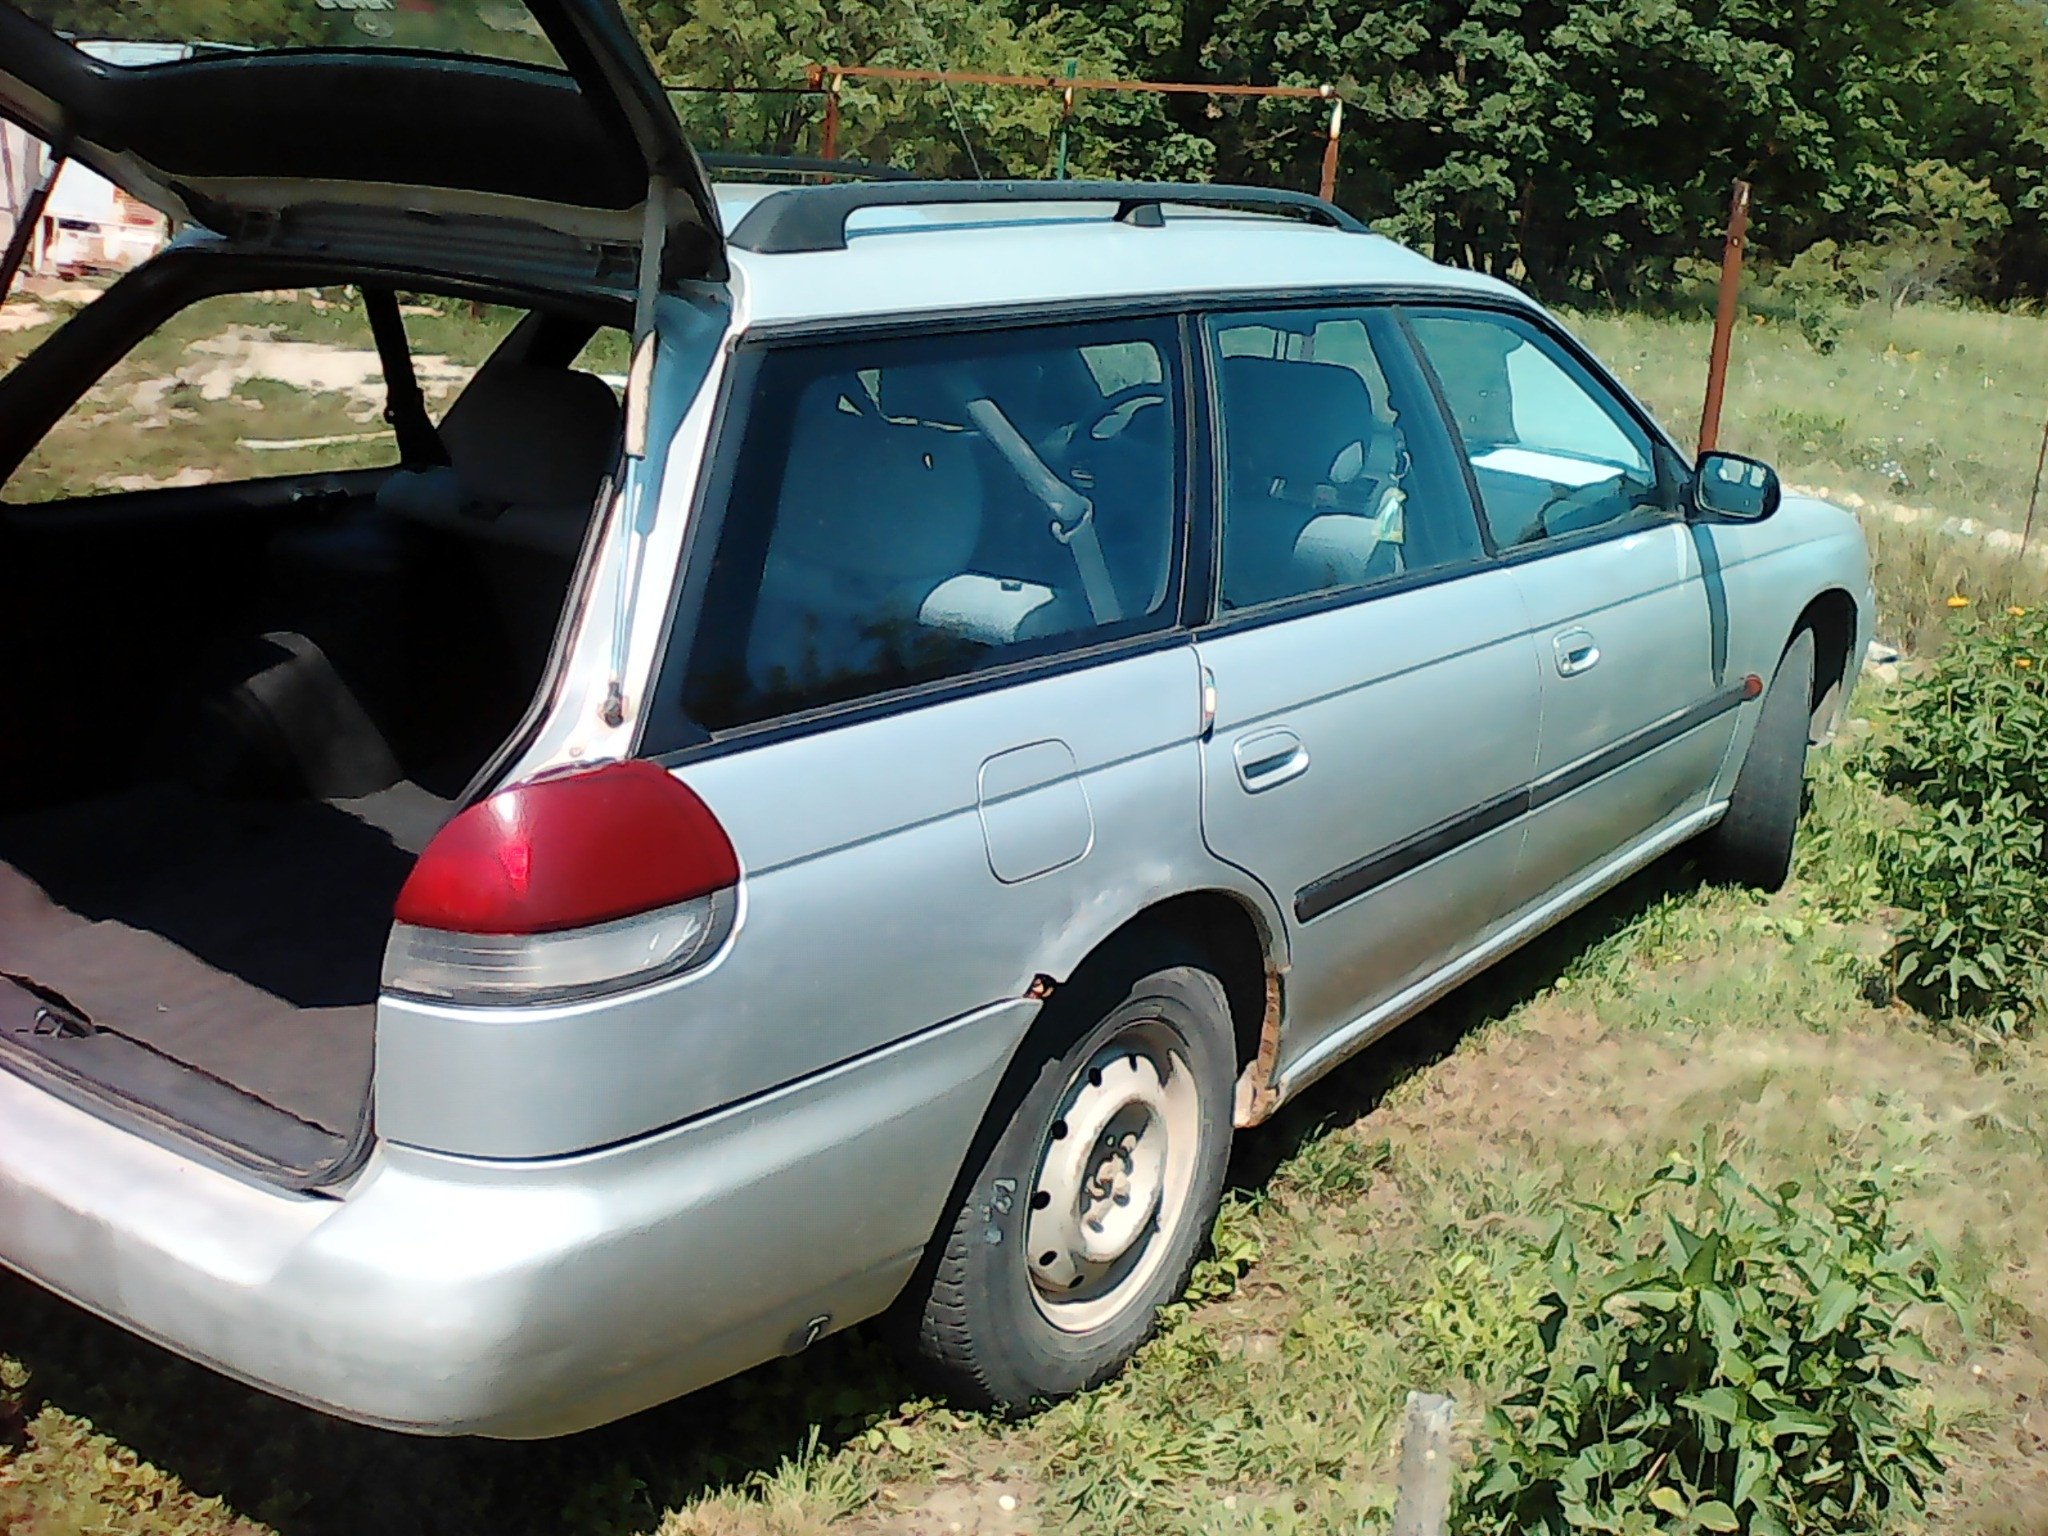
1336	471
916	508
1553	450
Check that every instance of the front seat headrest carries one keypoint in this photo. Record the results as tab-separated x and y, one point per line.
525	436
1293	424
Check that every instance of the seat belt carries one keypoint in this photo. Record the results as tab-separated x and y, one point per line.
1073	515
405	407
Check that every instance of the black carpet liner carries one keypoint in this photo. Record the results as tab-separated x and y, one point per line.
242	939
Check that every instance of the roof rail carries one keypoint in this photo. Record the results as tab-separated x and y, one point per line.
805	165
814	218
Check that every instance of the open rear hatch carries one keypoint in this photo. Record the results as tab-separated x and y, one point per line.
534	138
140	965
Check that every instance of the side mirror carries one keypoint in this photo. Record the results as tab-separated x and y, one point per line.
1730	488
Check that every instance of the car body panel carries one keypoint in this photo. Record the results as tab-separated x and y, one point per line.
575	1211
888	805
1402	730
455	1296
1623	644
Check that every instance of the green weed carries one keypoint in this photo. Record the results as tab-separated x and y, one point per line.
1709	1356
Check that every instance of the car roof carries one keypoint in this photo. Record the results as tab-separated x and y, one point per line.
935	260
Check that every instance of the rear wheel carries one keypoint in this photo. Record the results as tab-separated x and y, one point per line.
1086	1212
1752	844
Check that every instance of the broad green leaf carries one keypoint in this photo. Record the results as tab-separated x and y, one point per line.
1716	1516
1671	1501
1834	1304
1722	1404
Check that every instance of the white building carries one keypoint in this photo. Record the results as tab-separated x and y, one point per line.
88	221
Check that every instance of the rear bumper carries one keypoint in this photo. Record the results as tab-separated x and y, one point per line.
447	1295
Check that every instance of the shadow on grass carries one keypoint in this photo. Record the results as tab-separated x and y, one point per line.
309	1475
1355	1089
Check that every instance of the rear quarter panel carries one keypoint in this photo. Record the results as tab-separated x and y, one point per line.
870	911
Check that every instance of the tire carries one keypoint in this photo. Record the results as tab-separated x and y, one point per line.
1752	844
1061	1250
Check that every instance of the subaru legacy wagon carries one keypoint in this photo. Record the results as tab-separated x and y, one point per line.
834	773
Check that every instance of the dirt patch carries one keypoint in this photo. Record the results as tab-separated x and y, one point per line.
183	477
998	1506
242	354
24	317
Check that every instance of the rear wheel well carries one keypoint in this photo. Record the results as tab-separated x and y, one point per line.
1832	618
1227	933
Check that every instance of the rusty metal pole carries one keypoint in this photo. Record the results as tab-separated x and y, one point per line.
1066	118
830	149
2034	501
1329	186
1724	317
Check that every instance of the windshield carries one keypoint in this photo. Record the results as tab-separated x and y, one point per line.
133	33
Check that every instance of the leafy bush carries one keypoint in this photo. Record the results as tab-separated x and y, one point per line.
1814	290
1971	752
1737	1368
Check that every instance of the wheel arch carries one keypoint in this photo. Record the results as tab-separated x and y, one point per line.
1231	932
1832	617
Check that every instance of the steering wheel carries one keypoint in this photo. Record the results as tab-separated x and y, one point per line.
1120	409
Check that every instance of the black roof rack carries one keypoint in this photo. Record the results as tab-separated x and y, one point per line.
805	165
814	218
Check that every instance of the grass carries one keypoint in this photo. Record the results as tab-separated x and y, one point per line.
1915	418
185	405
1368	1247
1932	405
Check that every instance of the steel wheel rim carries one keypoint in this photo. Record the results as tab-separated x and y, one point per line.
1114	1177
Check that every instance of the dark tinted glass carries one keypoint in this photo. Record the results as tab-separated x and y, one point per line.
1553	451
125	33
920	507
1337	473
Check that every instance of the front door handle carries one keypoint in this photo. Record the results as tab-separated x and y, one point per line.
1577	651
1270	759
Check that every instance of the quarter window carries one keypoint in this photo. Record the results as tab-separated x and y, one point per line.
917	508
1551	448
1336	471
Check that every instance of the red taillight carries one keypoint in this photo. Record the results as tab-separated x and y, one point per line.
567	852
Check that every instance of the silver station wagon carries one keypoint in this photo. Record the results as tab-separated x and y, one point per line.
851	807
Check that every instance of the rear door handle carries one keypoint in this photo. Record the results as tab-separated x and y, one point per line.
1577	651
1270	759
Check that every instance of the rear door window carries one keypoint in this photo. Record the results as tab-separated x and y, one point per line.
1336	471
921	507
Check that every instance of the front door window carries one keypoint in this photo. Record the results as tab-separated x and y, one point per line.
1552	451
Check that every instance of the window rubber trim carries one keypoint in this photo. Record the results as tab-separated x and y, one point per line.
901	701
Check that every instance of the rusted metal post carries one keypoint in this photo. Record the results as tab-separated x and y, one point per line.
1328	190
1066	117
830	149
1422	1505
2034	501
1724	316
